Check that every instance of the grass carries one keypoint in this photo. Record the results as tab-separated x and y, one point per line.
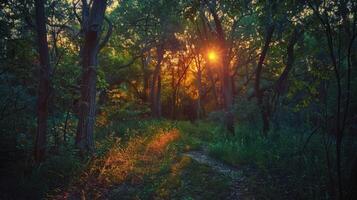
182	179
147	164
277	166
142	160
198	135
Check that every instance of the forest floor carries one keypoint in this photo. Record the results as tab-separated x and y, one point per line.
162	159
157	166
238	186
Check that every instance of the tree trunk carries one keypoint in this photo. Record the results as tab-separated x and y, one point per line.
266	120
227	96
227	92
258	91
44	85
214	90
173	95
280	85
199	86
65	127
154	90
85	128
145	63
158	96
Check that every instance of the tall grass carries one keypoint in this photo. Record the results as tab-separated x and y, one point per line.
284	163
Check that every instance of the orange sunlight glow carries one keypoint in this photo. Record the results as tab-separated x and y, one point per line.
160	142
212	55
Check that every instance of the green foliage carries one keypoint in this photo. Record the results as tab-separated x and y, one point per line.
195	181
174	176
132	128
289	162
37	181
283	162
248	146
197	135
246	111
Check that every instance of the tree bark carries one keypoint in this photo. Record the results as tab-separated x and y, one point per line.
225	71
280	85
158	96
258	92
145	63
154	90
213	83
44	85
85	128
176	85
173	95
335	60
199	86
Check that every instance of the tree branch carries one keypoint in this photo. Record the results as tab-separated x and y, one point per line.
75	11
109	33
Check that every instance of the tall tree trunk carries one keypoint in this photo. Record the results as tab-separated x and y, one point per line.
173	95
213	85
227	96
258	92
145	63
85	129
65	127
44	86
225	71
280	85
158	96
199	86
154	90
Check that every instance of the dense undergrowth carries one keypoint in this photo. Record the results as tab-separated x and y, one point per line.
288	163
143	160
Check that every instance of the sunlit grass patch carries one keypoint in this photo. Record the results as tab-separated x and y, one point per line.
160	141
137	157
149	166
128	161
115	166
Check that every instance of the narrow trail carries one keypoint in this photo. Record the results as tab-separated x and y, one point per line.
239	192
203	158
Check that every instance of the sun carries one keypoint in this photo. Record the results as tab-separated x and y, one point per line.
212	56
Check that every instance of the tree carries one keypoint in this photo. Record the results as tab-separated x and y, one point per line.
91	24
155	88
225	74
270	27
339	50
44	85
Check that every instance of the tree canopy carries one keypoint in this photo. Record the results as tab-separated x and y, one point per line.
79	79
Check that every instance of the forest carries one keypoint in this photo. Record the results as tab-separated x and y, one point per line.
178	99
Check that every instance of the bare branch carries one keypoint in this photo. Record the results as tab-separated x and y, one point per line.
75	11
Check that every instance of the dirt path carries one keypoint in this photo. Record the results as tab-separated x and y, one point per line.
237	187
203	158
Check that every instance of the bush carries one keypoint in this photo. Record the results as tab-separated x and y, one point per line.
35	181
282	164
247	111
198	135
